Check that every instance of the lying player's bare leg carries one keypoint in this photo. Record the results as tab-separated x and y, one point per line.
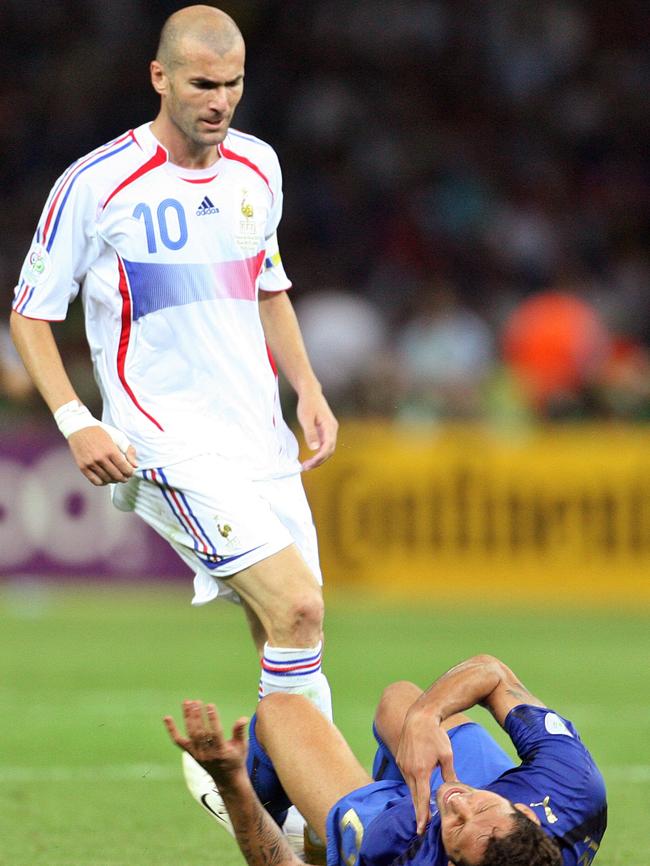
392	708
310	755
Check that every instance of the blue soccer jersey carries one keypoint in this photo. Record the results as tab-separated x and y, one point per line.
558	779
375	825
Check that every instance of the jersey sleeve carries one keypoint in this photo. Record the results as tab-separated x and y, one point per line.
544	739
558	779
64	245
531	727
274	277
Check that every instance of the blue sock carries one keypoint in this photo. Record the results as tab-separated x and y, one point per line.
264	778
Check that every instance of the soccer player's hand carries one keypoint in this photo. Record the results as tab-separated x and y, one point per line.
99	457
319	426
423	746
205	742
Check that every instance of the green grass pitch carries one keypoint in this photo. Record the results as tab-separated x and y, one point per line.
88	778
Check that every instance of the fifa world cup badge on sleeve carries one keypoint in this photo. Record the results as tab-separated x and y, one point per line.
38	264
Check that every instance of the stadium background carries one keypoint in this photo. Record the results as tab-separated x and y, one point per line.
466	225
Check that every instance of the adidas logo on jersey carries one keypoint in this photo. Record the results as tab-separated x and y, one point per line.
206	207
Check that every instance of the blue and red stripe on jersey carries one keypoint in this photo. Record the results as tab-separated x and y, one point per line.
155	286
62	191
182	511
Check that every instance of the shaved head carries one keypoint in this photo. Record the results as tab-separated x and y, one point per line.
206	25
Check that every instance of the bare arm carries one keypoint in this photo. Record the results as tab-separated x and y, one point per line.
258	836
95	453
424	743
36	346
283	336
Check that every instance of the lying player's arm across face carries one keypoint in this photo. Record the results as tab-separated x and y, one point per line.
284	339
424	744
100	458
259	838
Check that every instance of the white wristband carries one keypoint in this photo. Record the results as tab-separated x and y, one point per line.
73	416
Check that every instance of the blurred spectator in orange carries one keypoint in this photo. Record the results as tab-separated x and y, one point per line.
557	346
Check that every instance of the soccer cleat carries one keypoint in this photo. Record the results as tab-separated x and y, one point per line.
202	787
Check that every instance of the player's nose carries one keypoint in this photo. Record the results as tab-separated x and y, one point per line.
218	100
460	805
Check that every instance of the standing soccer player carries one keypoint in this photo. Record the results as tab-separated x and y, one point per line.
169	232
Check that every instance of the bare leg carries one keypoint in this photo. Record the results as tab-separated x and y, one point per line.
283	602
257	630
285	597
392	708
311	757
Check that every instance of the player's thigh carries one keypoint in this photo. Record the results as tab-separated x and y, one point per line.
312	758
288	501
212	513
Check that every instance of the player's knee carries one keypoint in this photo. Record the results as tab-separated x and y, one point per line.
400	694
275	712
300	622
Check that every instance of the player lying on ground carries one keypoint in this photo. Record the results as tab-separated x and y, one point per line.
549	811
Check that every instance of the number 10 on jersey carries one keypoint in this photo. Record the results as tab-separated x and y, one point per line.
167	228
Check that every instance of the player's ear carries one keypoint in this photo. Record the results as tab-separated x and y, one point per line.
528	812
158	77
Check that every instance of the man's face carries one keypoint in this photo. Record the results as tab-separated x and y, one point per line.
199	96
469	818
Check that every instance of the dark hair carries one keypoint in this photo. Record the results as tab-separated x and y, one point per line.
525	845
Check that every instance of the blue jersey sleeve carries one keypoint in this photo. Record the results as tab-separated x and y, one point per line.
558	779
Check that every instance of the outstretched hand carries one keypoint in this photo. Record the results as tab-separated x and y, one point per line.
423	746
205	742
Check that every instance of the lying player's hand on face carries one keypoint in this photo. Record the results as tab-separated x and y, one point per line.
206	743
423	746
99	458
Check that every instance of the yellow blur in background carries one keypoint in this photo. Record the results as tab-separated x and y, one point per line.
558	515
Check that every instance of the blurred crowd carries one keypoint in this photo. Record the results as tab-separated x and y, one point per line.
466	187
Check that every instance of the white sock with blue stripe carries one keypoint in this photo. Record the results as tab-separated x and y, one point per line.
296	671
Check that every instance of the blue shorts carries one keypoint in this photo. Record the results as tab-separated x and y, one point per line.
478	760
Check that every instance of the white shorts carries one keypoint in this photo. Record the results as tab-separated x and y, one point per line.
218	521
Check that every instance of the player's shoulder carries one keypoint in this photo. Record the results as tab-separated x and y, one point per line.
105	163
255	149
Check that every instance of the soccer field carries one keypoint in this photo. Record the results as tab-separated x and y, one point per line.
88	778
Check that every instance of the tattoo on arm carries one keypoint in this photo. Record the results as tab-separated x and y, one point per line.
262	842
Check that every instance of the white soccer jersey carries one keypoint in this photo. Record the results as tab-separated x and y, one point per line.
169	262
